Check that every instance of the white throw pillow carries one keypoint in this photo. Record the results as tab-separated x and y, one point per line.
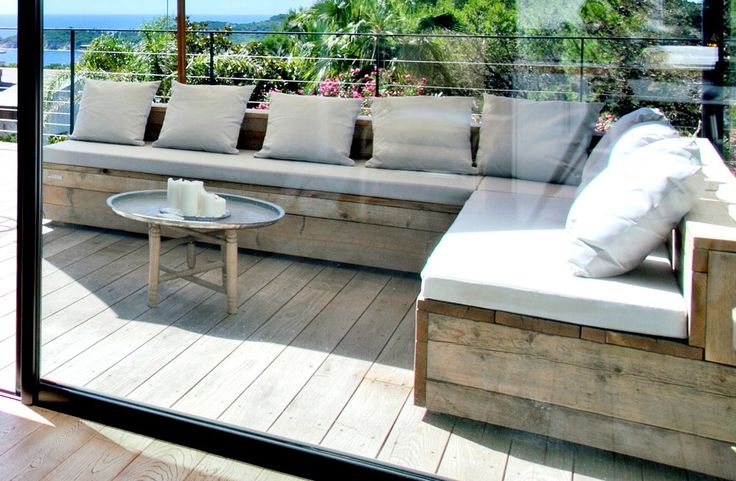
310	128
204	117
114	112
630	132
422	133
630	208
542	141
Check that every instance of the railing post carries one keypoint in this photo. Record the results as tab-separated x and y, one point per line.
212	58
581	87
377	62
72	75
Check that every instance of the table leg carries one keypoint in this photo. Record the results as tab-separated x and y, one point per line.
154	250
231	270
191	255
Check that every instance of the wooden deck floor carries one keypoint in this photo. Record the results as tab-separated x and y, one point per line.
36	444
318	352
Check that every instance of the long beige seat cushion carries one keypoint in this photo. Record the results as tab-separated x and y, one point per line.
506	251
451	189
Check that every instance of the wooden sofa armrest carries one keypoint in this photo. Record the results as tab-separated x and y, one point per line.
708	261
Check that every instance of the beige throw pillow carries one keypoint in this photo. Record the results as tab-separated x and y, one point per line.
422	133
542	141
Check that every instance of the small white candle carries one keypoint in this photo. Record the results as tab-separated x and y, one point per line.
189	199
219	206
208	205
173	188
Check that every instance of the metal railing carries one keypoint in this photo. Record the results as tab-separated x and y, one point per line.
612	70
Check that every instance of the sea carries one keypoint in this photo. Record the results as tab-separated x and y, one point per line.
8	25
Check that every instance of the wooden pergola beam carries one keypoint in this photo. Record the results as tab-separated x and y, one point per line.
181	40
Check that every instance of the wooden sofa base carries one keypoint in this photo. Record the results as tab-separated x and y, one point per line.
642	396
384	233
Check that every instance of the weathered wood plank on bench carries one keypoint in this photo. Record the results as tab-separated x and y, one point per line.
361	230
552	383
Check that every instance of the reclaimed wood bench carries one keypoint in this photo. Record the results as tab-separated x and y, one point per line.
668	400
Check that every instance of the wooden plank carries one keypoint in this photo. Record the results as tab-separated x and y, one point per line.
68	188
627	468
663	404
39	453
177	377
645	343
653	344
89	364
476	451
103	457
260	405
456	310
340	241
86	323
698	303
352	361
396	362
721	298
112	292
536	457
592	464
114	181
57	275
417	439
18	422
248	361
158	350
366	421
593	334
537	325
162	461
59	299
660	472
700	260
420	373
7	351
609	359
231	375
660	445
216	468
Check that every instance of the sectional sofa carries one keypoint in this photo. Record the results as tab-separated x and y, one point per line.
643	363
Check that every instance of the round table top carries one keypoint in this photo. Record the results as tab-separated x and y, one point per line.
146	205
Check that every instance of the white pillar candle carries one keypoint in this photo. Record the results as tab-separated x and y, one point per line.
173	188
208	205
220	207
190	198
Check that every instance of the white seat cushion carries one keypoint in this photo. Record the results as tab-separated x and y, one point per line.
508	252
441	188
520	186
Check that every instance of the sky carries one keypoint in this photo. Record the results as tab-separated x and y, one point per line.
158	7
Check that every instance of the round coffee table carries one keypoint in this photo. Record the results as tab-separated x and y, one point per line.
245	213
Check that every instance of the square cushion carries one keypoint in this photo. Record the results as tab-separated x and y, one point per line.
204	117
310	128
542	141
631	131
631	207
114	112
422	133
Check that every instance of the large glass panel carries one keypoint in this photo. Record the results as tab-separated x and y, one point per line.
471	279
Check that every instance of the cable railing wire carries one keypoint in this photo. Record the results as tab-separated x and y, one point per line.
574	73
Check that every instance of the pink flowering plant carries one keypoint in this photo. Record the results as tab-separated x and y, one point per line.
357	84
605	122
